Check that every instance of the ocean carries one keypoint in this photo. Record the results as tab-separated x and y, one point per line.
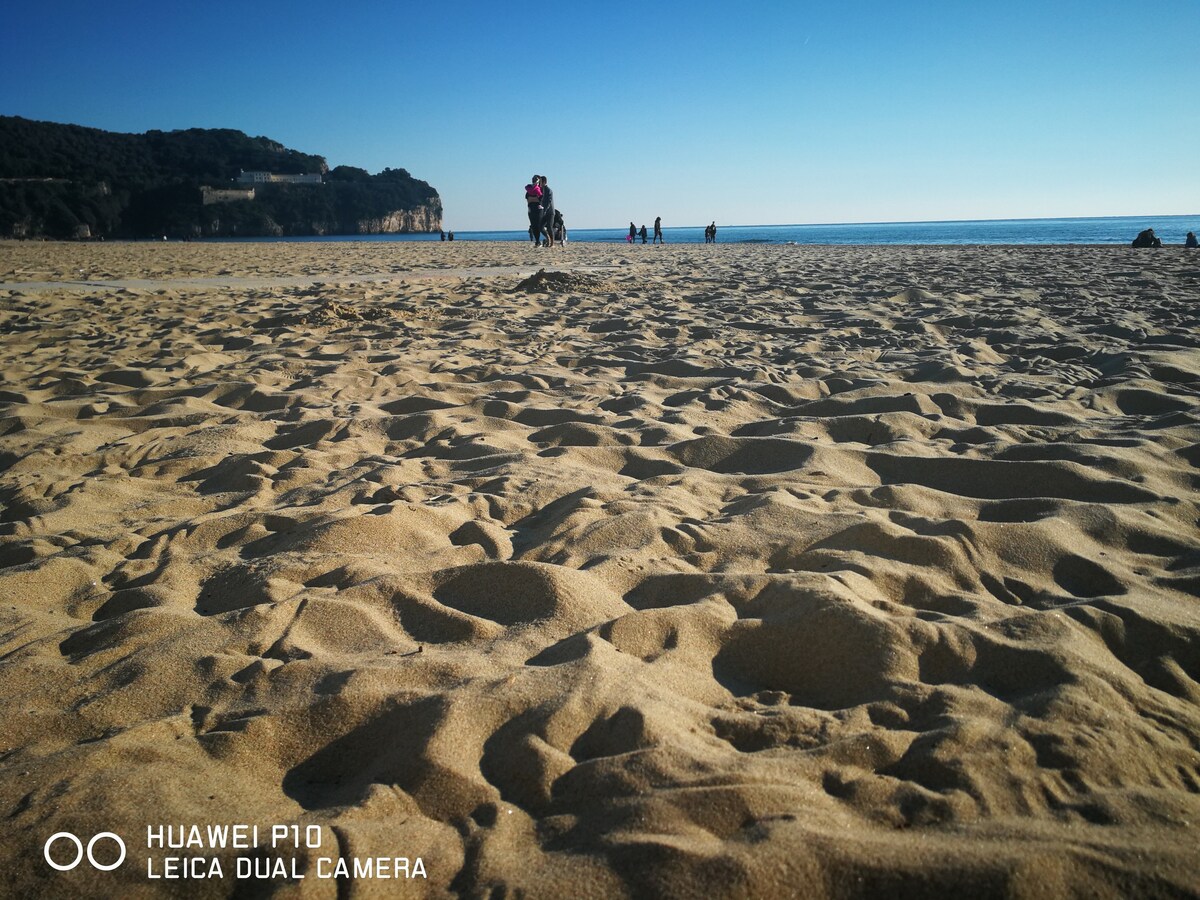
1109	230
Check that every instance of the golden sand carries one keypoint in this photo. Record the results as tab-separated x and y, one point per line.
678	571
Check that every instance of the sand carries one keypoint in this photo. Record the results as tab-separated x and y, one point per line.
720	571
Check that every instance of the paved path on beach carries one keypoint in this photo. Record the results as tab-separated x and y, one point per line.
231	281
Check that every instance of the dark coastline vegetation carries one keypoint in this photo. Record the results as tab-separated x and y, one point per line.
68	181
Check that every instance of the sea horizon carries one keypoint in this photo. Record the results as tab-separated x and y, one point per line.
1074	230
1158	216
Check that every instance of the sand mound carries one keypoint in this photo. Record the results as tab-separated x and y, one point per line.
543	282
328	313
746	572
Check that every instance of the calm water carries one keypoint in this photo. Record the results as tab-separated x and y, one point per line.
1113	230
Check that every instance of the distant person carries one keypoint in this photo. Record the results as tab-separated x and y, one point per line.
547	212
658	238
443	234
643	234
560	227
450	236
1190	241
1147	239
632	232
533	200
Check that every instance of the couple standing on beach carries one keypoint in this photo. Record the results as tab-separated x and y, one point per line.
540	200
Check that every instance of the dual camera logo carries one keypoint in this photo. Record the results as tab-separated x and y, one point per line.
80	852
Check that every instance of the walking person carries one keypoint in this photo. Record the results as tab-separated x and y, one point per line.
658	238
643	234
547	212
533	200
632	232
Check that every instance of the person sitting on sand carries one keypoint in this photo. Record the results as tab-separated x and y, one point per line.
1147	239
1190	241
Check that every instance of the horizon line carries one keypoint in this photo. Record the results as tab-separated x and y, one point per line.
878	222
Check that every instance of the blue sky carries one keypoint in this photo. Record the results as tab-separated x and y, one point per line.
750	113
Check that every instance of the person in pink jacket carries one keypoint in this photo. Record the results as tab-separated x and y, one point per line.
533	200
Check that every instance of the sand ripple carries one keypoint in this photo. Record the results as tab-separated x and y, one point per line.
728	571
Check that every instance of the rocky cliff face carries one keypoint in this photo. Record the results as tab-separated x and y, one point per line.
55	179
420	219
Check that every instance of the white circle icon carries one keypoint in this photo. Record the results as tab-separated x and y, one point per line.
79	851
92	843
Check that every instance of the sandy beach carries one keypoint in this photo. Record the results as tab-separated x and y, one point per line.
724	571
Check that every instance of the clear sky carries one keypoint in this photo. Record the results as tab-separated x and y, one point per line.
746	113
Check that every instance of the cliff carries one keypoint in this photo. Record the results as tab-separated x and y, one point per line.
68	181
399	221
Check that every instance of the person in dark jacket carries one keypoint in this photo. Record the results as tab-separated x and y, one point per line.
1190	241
643	234
547	212
1146	239
533	200
658	238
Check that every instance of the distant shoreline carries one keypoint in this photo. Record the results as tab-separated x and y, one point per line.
548	256
1074	232
1109	230
551	254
